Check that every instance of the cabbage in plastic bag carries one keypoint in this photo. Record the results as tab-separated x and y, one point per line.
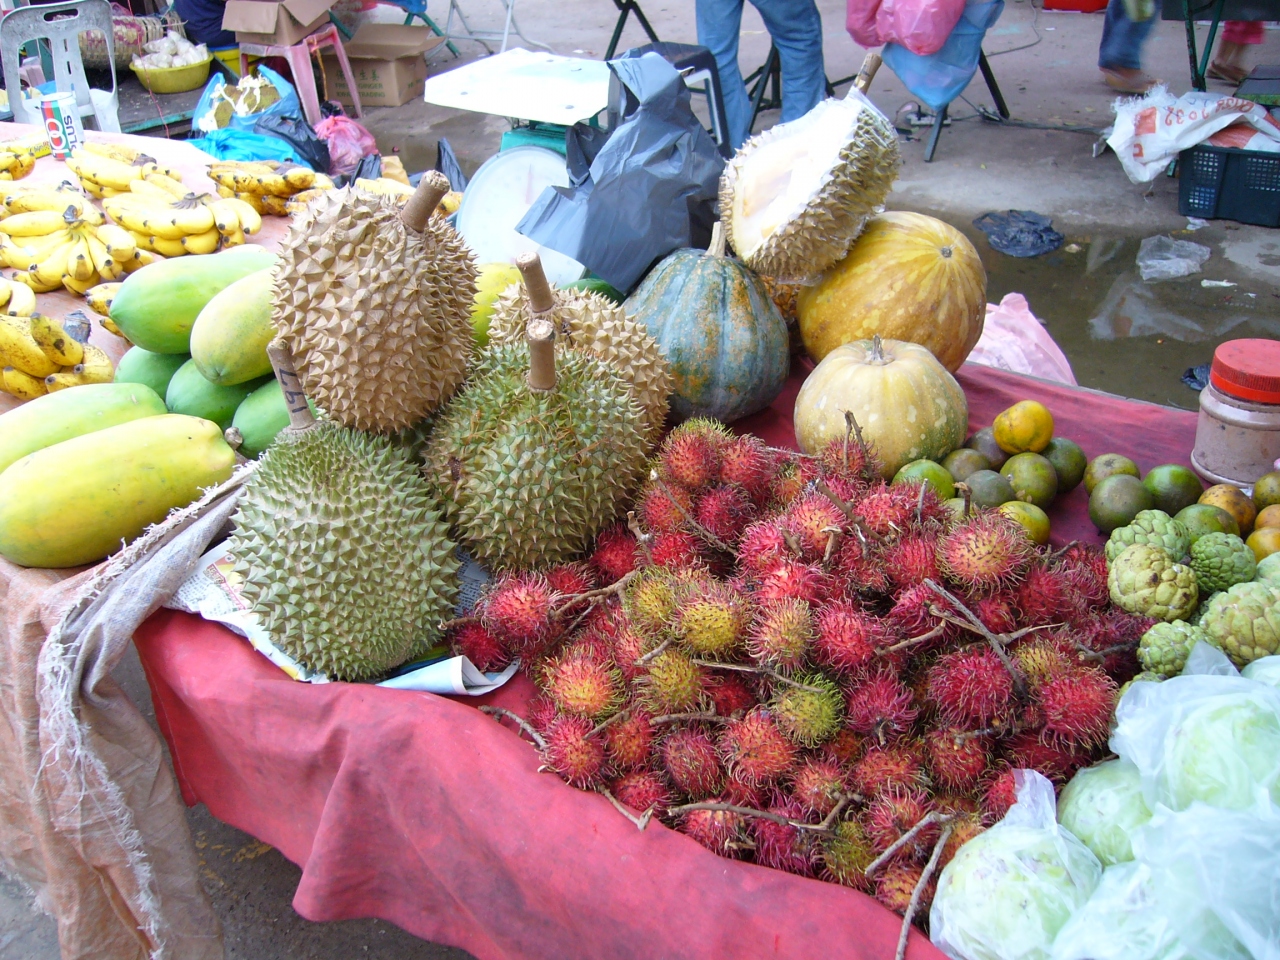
1009	890
1264	670
1101	806
1123	920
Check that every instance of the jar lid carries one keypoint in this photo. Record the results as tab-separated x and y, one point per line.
1248	370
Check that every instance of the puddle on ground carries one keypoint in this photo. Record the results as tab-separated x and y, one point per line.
1124	335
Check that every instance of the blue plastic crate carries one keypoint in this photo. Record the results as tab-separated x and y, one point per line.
1225	183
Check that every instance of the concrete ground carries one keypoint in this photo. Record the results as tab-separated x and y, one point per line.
1120	335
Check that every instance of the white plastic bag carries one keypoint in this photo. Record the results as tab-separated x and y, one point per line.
1164	258
1123	920
1014	339
1008	891
1264	670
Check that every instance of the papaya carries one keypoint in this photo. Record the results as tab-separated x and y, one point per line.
191	394
155	370
157	305
230	336
74	502
64	414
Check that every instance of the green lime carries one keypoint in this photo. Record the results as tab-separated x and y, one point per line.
1116	500
1173	487
1104	466
1033	478
960	463
989	489
1068	461
984	441
1266	490
1202	518
932	473
1034	520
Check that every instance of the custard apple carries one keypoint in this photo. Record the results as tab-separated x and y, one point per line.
1221	560
1143	580
1245	622
1269	570
1165	647
1155	528
1146	676
1196	617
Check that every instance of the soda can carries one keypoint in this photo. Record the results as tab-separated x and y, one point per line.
61	123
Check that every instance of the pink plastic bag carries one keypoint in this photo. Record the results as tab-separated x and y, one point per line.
1013	339
348	142
922	26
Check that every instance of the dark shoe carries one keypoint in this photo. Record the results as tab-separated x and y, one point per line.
1127	80
1226	71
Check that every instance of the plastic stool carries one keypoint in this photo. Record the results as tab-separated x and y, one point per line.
299	57
697	65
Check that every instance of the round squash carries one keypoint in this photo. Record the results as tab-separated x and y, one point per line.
720	331
906	404
908	277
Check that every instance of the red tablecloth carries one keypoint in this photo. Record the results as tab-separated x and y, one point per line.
420	810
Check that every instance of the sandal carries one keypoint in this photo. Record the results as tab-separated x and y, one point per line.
1226	71
1127	80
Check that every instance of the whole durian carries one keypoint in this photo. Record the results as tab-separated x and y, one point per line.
587	321
374	301
344	557
540	451
794	198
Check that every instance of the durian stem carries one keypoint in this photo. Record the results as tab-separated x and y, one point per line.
419	207
498	713
542	355
300	416
867	72
641	821
536	286
916	894
928	820
716	249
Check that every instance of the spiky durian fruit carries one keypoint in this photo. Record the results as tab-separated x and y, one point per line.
587	321
796	196
539	452
374	301
343	554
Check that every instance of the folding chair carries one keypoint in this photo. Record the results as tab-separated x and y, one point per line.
483	37
625	9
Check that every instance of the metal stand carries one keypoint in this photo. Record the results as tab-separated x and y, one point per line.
483	36
625	9
1200	64
940	117
769	73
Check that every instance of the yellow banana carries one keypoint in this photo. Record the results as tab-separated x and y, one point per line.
151	190
161	245
79	260
224	191
93	190
55	341
22	384
171	219
25	277
22	300
103	262
19	350
51	267
109	325
206	242
250	219
234	238
141	258
81	286
100	297
153	166
62	380
6	291
105	171
46	198
323	182
171	186
226	215
34	224
96	366
24	256
253	200
119	241
298	177
115	151
274	205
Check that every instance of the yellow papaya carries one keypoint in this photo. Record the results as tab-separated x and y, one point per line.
230	336
76	502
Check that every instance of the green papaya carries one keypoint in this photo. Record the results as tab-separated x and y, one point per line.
230	336
154	370
260	417
156	306
191	394
64	414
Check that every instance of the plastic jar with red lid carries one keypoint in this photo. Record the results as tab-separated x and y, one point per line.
1238	434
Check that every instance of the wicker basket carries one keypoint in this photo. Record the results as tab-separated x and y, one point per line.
131	33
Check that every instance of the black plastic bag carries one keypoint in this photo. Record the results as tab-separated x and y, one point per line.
651	188
447	163
299	134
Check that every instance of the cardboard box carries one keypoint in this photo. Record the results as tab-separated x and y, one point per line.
386	59
279	23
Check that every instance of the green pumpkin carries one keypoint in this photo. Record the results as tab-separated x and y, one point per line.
724	338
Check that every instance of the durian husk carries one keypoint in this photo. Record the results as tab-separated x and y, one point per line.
819	232
527	477
343	553
588	321
378	316
785	297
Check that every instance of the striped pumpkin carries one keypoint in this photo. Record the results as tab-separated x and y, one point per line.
723	336
907	277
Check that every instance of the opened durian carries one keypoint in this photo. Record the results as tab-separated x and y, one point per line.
344	557
796	196
540	450
587	321
374	300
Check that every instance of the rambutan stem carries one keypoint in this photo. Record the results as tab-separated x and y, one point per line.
501	713
833	539
593	595
966	491
625	711
834	815
653	654
1101	655
792	543
851	423
694	525
642	538
445	626
845	507
683	717
886	651
1019	683
762	671
641	821
748	812
920	503
1062	551
918	892
928	820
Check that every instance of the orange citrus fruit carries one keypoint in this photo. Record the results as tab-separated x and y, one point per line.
1264	542
1232	500
1034	520
1026	427
1268	517
1266	490
1106	465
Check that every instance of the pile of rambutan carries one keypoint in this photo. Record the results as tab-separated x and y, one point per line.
797	664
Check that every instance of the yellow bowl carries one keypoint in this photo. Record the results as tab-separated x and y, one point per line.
173	79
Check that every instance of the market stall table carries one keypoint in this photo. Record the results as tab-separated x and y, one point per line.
423	811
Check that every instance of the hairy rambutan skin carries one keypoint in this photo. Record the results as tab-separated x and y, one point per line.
1085	568
690	456
883	513
629	740
789	482
880	769
674	683
860	568
912	616
1044	596
754	750
1042	657
818	785
642	790
971	686
664	507
845	747
846	638
1027	751
517	609
781	845
730	695
896	883
628	647
810	519
879	705
957	761
810	710
998	795
1077	707
964	828
583	684
847	854
847	459
480	646
745	794
781	633
793	580
616	554
985	552
651	601
570	579
724	511
713	620
720	831
763	546
676	550
997	612
912	560
573	753
1115	634
542	710
747	463
895	811
690	759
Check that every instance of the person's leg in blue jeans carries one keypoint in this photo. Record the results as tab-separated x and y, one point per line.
796	28
1120	53
719	23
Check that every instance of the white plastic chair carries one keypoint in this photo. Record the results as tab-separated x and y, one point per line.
61	24
483	37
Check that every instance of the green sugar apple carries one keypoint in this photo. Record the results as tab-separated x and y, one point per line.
1143	580
1221	560
1244	622
1269	570
1165	647
1154	528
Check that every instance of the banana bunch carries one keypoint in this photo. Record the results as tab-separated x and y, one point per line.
107	169
70	247
17	299
165	217
99	299
39	355
267	186
14	165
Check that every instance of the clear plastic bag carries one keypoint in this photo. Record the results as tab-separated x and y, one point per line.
1264	670
1008	891
1123	920
1164	258
1101	806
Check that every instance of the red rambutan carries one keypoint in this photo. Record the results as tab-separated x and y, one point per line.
896	883
616	553
893	813
517	609
744	794
818	785
713	619
790	480
844	748
846	638
642	790
1027	751
999	794
629	740
887	768
673	683
957	761
480	646
720	831
763	546
793	580
911	614
664	507
572	752
860	568
880	705
1044	596
811	518
542	710
724	511
781	633
782	846
883	512
729	694
747	463
847	459
690	456
754	750
971	686
628	647
1041	658
676	550
1077	707
689	756
964	828
570	579
985	552
997	612
1085	568
912	560
1118	633
583	683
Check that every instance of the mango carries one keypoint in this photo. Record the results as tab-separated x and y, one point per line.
191	394
155	370
230	337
